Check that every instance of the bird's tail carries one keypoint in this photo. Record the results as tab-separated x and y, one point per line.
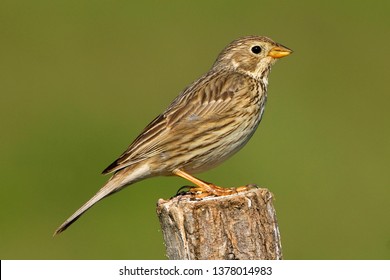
116	183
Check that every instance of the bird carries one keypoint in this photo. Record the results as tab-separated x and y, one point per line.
208	122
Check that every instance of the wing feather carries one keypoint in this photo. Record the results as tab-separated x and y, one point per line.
207	99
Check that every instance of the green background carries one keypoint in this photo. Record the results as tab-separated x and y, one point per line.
80	79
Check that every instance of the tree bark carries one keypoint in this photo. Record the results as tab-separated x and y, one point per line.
238	226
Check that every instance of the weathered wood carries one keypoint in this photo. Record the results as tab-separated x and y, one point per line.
238	226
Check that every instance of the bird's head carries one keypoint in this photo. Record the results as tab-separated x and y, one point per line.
251	55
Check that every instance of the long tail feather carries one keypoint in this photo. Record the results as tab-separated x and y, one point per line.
106	190
117	182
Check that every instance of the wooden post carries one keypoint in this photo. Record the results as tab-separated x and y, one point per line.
239	226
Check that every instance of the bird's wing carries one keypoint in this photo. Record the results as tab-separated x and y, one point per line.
206	100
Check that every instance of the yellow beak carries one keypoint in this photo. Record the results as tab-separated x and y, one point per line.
280	51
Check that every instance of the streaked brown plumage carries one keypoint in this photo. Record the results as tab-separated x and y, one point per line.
206	124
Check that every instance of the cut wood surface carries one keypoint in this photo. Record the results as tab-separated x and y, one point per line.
239	226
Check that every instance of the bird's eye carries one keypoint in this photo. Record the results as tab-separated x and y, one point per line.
256	49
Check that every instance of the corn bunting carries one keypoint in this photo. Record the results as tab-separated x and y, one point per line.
207	123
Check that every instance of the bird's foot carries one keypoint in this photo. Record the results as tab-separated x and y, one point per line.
204	189
208	189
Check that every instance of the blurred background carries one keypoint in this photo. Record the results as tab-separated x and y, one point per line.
80	79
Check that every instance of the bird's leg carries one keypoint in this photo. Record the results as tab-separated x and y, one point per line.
204	189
